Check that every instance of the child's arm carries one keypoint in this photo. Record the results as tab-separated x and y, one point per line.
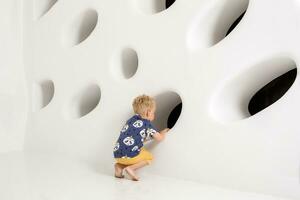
159	136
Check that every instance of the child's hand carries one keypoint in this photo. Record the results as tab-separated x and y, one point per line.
159	136
165	130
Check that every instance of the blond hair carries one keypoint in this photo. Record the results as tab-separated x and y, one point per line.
142	103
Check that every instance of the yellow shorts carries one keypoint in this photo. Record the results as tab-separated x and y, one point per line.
144	155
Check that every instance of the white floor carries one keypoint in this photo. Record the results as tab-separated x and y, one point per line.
41	177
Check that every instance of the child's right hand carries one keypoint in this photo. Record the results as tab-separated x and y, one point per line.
161	135
165	130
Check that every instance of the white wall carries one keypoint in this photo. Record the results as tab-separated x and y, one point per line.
12	83
69	69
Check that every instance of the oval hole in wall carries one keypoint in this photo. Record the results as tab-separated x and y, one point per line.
84	102
129	59
42	94
253	90
205	32
169	105
174	116
80	28
125	64
153	6
41	7
272	92
236	22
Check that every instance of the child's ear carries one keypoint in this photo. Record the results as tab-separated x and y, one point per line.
148	112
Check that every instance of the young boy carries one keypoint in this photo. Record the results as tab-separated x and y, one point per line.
129	152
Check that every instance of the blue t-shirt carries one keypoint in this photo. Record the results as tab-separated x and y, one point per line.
132	137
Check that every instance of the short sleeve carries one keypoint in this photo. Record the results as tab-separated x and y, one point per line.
150	130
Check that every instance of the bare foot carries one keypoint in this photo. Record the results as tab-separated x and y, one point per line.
118	171
131	173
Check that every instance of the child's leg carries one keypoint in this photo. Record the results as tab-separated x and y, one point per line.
119	170
132	164
131	169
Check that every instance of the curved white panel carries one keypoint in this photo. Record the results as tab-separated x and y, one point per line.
100	54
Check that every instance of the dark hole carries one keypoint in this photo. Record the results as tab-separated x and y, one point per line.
235	23
174	115
169	3
271	92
